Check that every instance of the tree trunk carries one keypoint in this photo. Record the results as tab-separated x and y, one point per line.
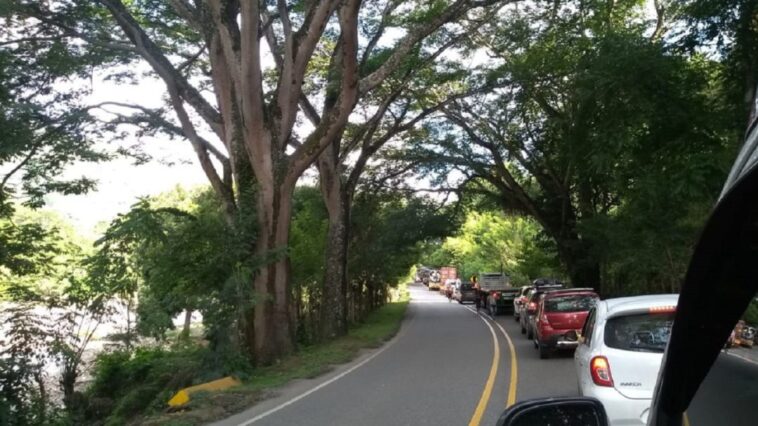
583	269
187	323
273	331
559	220
128	338
334	295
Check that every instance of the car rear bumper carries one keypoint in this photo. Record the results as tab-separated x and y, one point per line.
557	339
621	410
505	304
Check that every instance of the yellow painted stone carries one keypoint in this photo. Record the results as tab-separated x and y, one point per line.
183	396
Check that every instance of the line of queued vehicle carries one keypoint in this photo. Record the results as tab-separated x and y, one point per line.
618	343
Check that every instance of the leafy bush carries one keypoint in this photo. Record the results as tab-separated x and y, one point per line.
751	314
141	382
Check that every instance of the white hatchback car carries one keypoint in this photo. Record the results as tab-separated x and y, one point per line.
620	353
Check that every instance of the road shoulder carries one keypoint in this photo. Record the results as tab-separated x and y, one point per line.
297	389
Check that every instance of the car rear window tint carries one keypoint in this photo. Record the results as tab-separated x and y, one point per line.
639	332
577	303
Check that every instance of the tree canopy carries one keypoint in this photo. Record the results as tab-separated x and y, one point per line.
583	139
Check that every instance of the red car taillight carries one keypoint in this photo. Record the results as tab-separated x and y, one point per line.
600	371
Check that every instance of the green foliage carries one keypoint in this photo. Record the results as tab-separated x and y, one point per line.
39	255
22	358
44	127
177	253
308	237
490	242
306	252
142	381
726	30
387	230
613	141
751	314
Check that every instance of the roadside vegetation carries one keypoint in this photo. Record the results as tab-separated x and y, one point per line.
585	140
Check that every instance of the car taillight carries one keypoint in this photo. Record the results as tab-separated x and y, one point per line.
662	309
600	371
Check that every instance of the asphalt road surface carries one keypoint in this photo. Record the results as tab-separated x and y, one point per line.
450	366
439	370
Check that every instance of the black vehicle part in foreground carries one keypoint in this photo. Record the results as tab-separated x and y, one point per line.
725	257
556	411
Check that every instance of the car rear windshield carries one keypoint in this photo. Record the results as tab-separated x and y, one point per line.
639	332
575	303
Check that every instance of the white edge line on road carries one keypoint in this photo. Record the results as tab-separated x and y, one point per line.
744	358
322	385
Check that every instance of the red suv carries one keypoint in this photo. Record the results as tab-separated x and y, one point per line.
560	317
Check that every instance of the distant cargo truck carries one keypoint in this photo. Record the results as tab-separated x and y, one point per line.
448	273
497	292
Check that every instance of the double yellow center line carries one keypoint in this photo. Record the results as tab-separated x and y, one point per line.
479	412
490	383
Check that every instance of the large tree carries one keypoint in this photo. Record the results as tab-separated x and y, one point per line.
420	88
590	112
220	47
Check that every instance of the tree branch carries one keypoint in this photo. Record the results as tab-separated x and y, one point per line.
223	190
153	55
333	123
416	35
388	9
298	50
156	118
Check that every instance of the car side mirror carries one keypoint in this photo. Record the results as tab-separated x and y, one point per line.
571	411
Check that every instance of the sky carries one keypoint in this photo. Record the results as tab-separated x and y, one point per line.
120	182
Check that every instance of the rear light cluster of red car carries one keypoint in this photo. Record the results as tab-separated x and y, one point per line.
600	371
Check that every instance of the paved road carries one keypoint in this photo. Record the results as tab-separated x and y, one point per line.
439	370
729	393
